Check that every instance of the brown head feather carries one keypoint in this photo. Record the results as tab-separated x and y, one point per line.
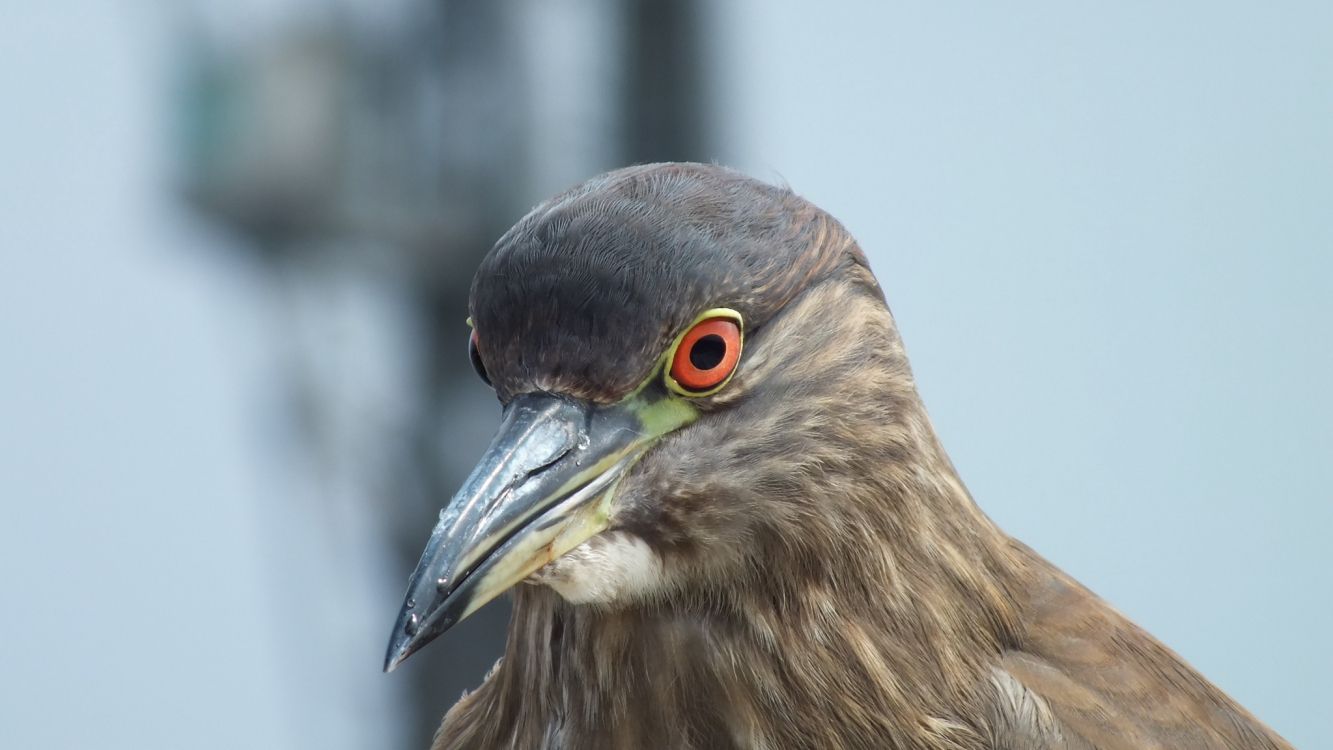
582	295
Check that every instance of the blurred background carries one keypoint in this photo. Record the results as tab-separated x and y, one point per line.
237	240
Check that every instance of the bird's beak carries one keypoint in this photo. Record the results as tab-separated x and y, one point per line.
544	486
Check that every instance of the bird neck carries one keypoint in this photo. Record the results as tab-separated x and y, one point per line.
889	637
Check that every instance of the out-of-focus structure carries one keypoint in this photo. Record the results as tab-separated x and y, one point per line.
364	158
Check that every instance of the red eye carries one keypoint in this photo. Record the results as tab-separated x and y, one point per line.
707	354
475	356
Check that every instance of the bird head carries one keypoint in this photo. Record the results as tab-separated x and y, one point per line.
687	360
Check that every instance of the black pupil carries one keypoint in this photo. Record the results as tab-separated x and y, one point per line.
708	352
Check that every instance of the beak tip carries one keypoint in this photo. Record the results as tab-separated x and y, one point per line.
399	649
410	635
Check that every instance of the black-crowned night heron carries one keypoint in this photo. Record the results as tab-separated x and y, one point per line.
736	524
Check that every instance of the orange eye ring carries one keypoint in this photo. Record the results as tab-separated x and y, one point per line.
706	356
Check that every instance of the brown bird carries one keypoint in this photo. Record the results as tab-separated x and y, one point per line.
736	523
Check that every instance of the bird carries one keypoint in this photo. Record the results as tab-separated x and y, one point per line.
727	521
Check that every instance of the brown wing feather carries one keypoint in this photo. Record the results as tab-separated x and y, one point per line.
1110	683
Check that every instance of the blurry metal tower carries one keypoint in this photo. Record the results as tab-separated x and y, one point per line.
365	155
